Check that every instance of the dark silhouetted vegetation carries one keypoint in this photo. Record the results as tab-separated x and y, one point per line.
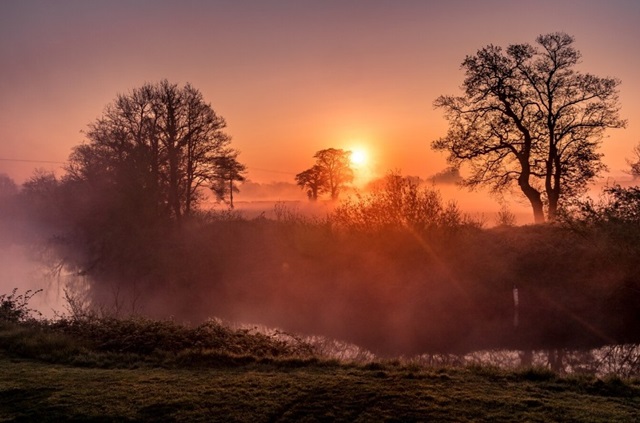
634	162
228	171
14	307
399	203
156	147
313	180
88	339
330	173
528	117
8	187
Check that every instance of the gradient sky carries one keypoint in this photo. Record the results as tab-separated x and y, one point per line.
290	77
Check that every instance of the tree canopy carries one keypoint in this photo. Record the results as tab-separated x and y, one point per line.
161	142
8	187
634	162
331	172
529	118
314	180
227	171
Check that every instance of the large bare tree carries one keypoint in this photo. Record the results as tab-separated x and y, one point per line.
161	139
529	118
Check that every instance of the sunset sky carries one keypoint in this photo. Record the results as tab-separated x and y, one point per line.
290	77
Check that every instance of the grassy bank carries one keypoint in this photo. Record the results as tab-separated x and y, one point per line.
37	391
98	369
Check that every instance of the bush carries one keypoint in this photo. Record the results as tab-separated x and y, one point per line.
35	340
14	307
400	203
144	337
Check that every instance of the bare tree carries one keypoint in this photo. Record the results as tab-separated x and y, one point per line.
162	139
528	117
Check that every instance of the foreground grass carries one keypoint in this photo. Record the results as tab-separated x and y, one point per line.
263	392
103	370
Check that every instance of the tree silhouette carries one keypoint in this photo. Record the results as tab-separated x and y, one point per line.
336	165
228	170
314	180
40	196
8	187
330	173
634	163
161	142
528	117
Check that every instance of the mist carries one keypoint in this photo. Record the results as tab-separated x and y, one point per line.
386	278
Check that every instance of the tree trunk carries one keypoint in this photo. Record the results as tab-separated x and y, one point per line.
536	201
553	192
174	185
538	211
553	207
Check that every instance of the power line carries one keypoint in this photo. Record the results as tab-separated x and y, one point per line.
272	171
31	161
57	162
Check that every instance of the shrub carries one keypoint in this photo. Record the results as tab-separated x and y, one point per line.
14	307
400	202
144	337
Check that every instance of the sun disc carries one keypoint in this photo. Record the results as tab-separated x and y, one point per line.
358	157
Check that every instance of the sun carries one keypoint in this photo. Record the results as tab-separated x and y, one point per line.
362	160
358	157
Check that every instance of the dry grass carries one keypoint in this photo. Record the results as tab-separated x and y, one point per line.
100	370
36	391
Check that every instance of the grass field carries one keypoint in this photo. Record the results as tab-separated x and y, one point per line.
35	391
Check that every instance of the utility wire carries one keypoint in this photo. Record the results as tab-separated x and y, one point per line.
30	161
57	162
272	171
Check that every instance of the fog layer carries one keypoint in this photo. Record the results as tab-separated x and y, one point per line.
397	272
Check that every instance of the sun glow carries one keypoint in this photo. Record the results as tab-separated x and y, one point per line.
358	157
363	162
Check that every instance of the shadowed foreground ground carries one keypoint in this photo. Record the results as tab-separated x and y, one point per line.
34	391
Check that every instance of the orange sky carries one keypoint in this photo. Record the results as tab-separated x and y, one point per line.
290	77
